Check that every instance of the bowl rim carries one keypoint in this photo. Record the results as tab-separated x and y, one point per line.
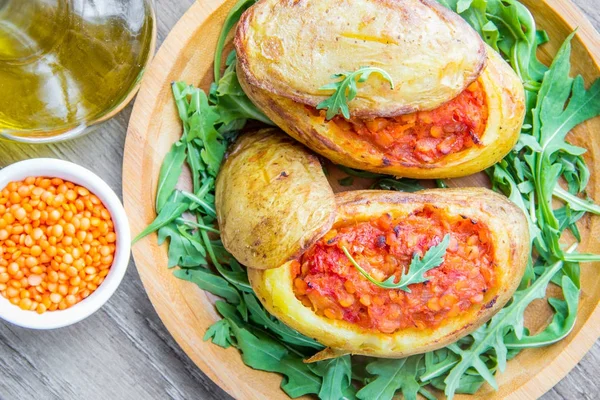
55	168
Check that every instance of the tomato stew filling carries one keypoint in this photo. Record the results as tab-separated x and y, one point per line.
326	281
426	136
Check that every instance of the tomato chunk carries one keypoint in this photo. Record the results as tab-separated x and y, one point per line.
326	281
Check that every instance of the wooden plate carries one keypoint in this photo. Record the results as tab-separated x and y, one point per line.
187	54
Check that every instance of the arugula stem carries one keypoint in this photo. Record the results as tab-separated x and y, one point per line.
180	101
197	225
209	209
214	259
444	366
576	203
441	184
581	257
359	268
432	258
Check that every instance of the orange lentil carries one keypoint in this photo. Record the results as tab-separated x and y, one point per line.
57	243
111	237
36	251
57	231
31	262
13	268
25	304
84	224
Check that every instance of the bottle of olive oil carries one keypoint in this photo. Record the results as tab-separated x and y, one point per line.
67	64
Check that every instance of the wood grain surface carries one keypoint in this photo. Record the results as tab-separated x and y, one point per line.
124	351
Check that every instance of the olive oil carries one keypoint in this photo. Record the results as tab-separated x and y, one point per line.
65	64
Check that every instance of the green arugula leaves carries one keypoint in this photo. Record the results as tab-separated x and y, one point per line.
433	258
530	176
392	376
230	21
381	181
346	89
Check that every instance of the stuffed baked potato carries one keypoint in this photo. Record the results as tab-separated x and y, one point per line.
317	290
467	117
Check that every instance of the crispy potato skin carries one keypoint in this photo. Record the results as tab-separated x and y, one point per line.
272	199
509	231
291	48
506	106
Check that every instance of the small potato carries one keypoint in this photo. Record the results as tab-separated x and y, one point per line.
504	97
292	48
508	231
272	198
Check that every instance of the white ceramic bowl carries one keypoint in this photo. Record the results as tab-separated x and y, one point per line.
53	168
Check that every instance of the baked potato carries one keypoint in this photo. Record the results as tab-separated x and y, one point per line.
291	48
279	217
272	199
423	145
322	296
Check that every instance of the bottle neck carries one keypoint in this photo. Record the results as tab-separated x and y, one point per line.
23	36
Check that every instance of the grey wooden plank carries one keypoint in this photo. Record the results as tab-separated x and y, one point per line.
124	351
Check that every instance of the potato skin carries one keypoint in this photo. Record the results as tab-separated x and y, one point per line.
291	48
275	287
272	199
505	99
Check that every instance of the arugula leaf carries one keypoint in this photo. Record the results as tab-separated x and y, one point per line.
391	376
260	316
263	353
210	282
384	182
347	181
492	334
469	384
441	184
360	174
575	203
233	104
337	377
169	212
401	185
183	252
197	225
562	323
463	5
231	20
169	174
208	208
433	258
202	126
219	333
562	104
346	90
437	363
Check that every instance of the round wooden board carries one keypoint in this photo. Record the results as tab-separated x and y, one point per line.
187	311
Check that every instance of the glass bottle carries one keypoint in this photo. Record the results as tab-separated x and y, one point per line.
67	65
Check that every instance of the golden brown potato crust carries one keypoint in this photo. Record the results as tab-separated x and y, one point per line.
291	48
505	99
509	232
272	198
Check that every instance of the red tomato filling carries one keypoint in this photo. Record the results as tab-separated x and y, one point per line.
426	136
326	281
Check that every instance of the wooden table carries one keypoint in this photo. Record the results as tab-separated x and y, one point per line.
124	351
